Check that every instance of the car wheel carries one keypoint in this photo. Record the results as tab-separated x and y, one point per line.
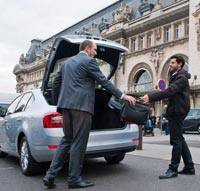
2	154
198	128
27	163
115	159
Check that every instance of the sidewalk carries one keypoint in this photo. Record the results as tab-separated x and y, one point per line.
158	146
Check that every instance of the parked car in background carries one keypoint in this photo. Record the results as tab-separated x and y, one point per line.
5	100
192	121
32	128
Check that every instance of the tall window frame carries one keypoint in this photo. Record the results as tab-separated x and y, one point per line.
141	44
187	25
178	30
150	39
134	44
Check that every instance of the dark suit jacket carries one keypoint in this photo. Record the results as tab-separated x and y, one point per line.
76	81
177	93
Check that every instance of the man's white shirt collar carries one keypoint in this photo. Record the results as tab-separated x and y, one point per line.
84	52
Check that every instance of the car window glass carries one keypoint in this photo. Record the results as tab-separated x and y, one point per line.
53	73
198	112
23	102
3	108
30	101
105	68
13	105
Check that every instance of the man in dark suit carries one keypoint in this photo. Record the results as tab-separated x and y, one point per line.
179	104
76	100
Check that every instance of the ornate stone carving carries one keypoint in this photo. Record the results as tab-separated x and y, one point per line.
123	13
19	79
22	59
157	5
156	57
198	35
158	33
196	14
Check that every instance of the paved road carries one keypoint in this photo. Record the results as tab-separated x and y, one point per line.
138	172
135	173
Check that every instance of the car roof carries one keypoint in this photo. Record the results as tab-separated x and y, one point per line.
97	40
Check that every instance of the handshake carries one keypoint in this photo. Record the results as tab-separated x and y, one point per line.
144	99
132	100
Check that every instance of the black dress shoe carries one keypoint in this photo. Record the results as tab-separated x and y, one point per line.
187	171
168	174
49	182
80	184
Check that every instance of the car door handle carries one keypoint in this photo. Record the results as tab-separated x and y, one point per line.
19	119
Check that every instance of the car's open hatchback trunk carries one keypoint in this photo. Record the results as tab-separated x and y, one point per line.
107	110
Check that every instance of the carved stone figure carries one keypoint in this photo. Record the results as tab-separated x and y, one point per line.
158	33
22	59
157	5
196	14
19	79
156	57
198	35
123	13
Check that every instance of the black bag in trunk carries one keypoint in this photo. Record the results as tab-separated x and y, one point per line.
137	114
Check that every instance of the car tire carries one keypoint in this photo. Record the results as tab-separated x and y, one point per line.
2	154
198	129
115	159
28	165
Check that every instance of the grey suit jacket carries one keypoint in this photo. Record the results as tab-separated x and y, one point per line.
77	90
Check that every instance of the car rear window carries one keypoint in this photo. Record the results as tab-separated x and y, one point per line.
105	68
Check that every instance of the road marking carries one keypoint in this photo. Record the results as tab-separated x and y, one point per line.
6	168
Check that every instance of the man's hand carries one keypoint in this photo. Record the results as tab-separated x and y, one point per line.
144	99
130	99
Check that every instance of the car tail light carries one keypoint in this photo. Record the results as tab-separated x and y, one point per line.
52	120
52	147
135	139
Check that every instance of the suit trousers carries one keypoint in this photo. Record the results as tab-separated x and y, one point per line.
76	128
180	147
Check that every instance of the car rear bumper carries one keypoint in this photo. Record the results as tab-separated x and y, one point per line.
100	143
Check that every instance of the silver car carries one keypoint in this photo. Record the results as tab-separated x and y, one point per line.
32	129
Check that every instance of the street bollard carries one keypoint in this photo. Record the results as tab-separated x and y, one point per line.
140	137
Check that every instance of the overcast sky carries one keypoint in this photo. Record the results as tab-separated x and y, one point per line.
23	20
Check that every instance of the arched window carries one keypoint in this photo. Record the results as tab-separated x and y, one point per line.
142	81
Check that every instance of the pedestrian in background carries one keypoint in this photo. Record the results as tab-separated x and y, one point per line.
177	109
76	82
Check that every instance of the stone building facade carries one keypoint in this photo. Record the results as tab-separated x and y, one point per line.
152	30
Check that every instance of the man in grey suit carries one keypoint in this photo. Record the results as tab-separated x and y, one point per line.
76	100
